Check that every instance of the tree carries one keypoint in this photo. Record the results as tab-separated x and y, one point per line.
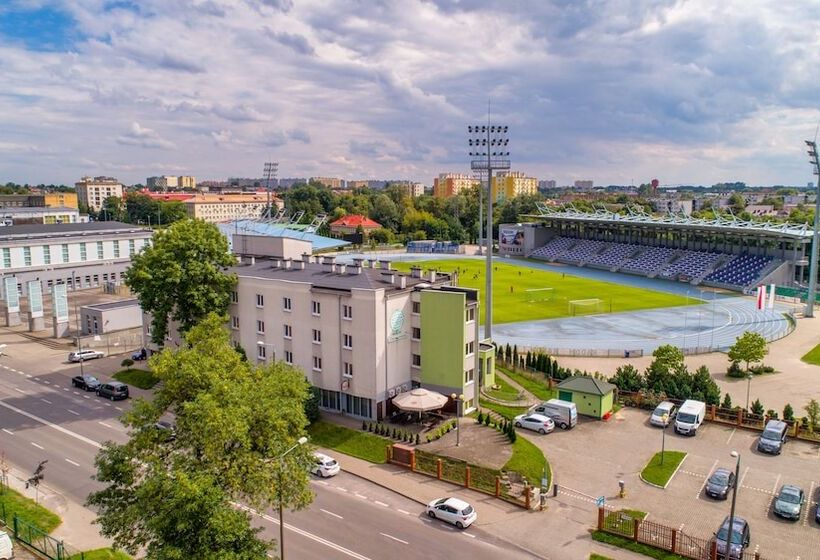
788	413
704	387
175	498
727	401
182	276
666	371
628	378
757	408
813	414
748	347
112	208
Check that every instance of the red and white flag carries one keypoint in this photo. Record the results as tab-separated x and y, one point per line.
761	297
771	295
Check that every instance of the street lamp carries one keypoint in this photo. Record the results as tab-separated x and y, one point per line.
459	404
270	171
731	531
301	441
813	263
665	419
748	388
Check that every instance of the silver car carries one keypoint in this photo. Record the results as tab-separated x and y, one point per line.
535	422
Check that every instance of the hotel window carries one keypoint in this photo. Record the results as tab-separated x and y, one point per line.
235	322
416	333
26	256
317	307
83	253
317	336
358	406
317	363
6	257
348	370
347	311
260	300
469	376
471	314
46	254
417	360
347	341
260	327
288	357
261	353
288	331
330	399
131	248
234	297
287	305
116	249
100	253
416	307
469	348
65	253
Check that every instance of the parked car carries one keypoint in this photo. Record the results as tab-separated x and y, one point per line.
85	355
6	546
663	414
563	413
740	538
139	355
788	503
817	513
773	437
167	428
113	390
86	382
452	510
690	417
535	422
720	483
324	465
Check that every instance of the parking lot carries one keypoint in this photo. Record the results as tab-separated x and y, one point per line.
619	449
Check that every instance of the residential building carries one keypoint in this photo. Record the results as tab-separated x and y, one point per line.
51	199
164	196
93	192
350	224
40	215
358	184
545	185
672	205
330	182
410	188
585	185
450	184
58	199
186	182
171	182
509	184
81	255
227	207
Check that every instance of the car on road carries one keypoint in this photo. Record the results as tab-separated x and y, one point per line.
773	437
167	428
535	422
139	355
85	382
663	414
84	355
720	483
788	503
452	510
740	538
113	390
324	465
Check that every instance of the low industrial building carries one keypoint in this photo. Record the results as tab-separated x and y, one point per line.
227	207
104	318
21	215
593	397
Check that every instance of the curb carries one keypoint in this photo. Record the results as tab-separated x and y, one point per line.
668	482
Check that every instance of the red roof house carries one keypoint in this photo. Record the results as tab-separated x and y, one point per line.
347	225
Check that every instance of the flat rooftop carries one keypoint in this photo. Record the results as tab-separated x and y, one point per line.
62	230
113	305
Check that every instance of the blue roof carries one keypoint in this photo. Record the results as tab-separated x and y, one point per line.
254	227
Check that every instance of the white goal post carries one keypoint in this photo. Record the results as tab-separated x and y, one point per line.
533	295
592	305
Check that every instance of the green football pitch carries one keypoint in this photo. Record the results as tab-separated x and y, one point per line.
526	294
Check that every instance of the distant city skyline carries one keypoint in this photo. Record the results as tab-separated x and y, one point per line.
691	92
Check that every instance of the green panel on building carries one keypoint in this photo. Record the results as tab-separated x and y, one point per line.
442	338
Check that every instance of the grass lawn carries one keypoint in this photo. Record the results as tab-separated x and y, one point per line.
12	502
594	556
102	554
359	444
528	460
508	412
813	356
657	473
510	282
537	386
141	378
629	544
505	391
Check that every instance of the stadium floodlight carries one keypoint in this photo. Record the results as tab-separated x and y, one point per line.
269	171
488	151
810	296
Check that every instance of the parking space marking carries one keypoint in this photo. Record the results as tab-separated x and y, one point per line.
104	424
65	388
37	445
67	460
730	436
342	489
72	412
468	535
404	512
118	408
809	508
705	480
46	401
771	499
742	478
76	392
322	482
359	496
46	381
381	503
394	538
19	390
9	432
336	515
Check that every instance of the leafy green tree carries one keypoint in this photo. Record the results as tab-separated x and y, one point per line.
704	387
813	414
667	371
628	378
748	347
113	209
182	276
757	408
788	413
727	401
174	497
312	405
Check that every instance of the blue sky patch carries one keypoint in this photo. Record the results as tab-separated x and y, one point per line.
42	29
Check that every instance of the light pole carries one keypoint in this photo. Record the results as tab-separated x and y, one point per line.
79	338
748	388
270	170
301	441
813	263
731	531
488	148
665	419
459	403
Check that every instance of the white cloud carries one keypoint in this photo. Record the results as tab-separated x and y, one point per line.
143	137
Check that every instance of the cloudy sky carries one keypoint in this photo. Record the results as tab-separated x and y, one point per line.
613	90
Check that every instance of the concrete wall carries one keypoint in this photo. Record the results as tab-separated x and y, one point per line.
263	245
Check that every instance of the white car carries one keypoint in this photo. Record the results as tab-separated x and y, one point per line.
324	465
452	510
535	422
85	355
663	414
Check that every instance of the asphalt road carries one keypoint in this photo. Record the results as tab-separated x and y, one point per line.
43	417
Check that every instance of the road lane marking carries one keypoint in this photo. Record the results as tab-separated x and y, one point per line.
394	538
47	382
72	412
381	504
67	460
76	392
359	496
37	445
65	388
331	513
104	424
20	390
404	512
730	436
86	397
51	425
342	489
46	401
28	376
468	535
118	407
322	482
9	432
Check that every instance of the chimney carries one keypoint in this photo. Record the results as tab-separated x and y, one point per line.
432	276
251	260
415	272
341	268
357	268
385	264
288	263
402	282
357	262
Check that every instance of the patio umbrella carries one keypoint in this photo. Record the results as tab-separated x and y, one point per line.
420	400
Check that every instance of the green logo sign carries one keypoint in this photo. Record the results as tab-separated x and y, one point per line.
396	322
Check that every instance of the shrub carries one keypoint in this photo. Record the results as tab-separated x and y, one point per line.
772	414
394	433
757	408
418	439
813	413
487	419
127	362
734	370
727	401
513	436
364	426
429	438
480	418
788	413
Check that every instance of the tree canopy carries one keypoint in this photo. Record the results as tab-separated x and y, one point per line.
182	276
174	496
748	347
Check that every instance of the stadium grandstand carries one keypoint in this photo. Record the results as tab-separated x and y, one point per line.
722	252
282	225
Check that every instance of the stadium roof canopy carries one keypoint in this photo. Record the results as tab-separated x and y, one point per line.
637	217
293	231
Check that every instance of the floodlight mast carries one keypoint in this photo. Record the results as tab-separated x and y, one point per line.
810	297
488	151
270	171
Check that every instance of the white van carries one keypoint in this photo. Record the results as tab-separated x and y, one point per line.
563	413
6	550
690	416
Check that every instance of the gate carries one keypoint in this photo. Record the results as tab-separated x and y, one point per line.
38	539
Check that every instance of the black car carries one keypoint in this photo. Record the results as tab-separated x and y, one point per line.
167	428
139	355
741	535
113	390
720	483
86	382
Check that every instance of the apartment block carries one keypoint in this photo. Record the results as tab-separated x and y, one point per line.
93	191
228	207
450	184
171	182
330	182
509	184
